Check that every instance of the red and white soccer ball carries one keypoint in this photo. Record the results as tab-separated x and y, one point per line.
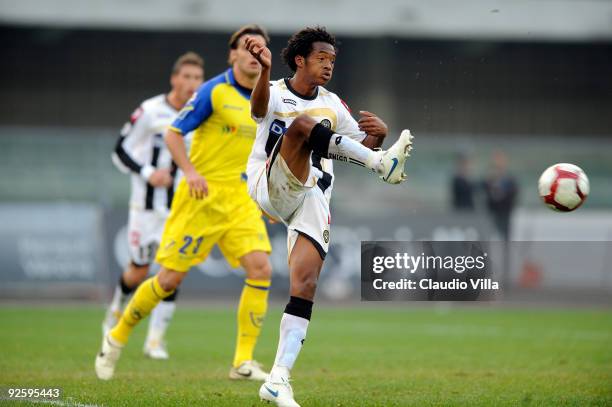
563	187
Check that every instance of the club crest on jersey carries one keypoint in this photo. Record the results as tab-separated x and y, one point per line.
326	123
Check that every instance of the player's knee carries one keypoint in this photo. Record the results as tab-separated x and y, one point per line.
301	127
169	280
260	271
137	273
304	285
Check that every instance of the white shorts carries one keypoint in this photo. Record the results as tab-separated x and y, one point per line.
304	208
145	229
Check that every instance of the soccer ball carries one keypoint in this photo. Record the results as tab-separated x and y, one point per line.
563	187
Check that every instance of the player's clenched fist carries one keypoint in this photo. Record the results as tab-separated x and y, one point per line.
161	178
372	125
198	187
257	47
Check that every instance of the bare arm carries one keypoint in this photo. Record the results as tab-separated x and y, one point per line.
374	127
198	187
177	148
261	94
372	142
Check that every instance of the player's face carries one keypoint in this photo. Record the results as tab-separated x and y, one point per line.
319	65
187	80
243	60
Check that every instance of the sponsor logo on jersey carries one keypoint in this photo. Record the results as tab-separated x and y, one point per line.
290	101
326	123
228	129
233	107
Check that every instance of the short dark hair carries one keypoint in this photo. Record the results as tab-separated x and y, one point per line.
301	42
188	58
246	30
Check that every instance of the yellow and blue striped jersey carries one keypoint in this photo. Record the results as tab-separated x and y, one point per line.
219	114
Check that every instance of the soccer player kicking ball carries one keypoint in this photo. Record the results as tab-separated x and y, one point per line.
301	126
211	206
140	150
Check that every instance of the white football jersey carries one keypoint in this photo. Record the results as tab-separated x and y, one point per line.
141	149
284	106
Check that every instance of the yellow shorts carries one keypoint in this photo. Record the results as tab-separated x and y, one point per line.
227	217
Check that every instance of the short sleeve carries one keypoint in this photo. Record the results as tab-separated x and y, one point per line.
195	111
133	134
347	125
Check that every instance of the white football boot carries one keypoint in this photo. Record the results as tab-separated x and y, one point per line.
391	167
249	370
156	349
107	359
276	389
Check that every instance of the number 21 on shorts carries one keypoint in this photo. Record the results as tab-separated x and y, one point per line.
187	241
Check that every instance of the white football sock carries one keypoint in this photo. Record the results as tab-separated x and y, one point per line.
160	319
343	148
292	334
119	299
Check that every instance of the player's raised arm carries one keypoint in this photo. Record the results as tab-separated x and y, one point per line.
261	94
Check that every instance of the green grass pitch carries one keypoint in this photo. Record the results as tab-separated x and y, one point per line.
352	357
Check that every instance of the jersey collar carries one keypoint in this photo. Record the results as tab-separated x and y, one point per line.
295	92
229	77
167	101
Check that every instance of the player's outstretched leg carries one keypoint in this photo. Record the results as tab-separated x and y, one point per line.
128	282
305	265
305	135
155	344
251	313
147	296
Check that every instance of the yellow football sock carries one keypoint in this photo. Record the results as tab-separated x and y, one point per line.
251	312
146	297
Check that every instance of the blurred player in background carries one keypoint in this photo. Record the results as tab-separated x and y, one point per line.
211	207
142	152
301	127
